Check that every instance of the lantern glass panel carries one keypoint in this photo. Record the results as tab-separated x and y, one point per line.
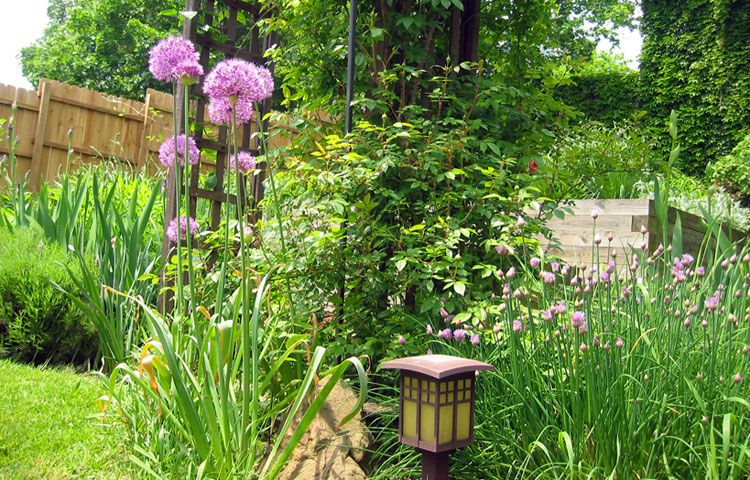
409	420
427	424
463	423
446	424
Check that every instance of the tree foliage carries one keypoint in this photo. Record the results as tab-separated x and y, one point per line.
694	60
100	44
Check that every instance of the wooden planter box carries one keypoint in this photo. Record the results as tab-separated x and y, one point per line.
573	237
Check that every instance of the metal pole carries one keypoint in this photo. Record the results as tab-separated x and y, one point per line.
347	129
350	65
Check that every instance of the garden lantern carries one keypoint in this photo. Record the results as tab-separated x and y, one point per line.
436	407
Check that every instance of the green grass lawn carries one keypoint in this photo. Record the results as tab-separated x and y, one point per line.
46	431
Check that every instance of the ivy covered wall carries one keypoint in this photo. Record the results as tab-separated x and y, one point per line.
696	60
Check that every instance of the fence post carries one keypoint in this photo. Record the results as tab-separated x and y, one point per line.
142	151
38	162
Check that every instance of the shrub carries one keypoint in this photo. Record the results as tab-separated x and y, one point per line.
733	171
38	323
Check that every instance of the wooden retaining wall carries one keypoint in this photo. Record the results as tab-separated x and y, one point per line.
573	236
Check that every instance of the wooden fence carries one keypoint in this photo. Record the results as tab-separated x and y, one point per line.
97	128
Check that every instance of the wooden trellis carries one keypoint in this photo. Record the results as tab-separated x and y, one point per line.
228	29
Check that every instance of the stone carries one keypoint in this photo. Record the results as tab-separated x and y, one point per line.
326	451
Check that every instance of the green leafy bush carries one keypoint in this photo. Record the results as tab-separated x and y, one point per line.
733	171
38	323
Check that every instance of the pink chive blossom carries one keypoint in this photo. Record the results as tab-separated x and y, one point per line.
619	343
401	340
517	326
444	313
510	273
459	334
496	329
555	267
445	334
594	214
535	262
583	347
234	79
475	339
547	315
583	328
502	249
429	329
175	59
167	151
610	236
577	319
644	230
737	378
172	228
521	222
243	161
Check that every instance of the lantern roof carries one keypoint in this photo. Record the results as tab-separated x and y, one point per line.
437	366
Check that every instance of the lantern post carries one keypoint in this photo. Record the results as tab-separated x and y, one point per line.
436	407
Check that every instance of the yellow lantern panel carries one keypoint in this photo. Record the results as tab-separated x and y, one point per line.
463	423
446	424
409	420
427	424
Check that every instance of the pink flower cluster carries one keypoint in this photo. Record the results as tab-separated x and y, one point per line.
175	59
167	151
172	231
243	162
233	85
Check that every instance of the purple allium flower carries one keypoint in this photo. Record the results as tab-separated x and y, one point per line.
565	270
167	151
172	228
496	328
444	313
520	221
220	111
429	329
597	238
502	249
604	277
459	334
517	326
234	79
561	307
644	230
596	341
610	236
547	315
594	214
583	347
243	161
475	339
737	378
619	343
510	273
687	259
700	271
445	334
577	319
174	58
555	266
401	340
583	328
711	303
535	262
